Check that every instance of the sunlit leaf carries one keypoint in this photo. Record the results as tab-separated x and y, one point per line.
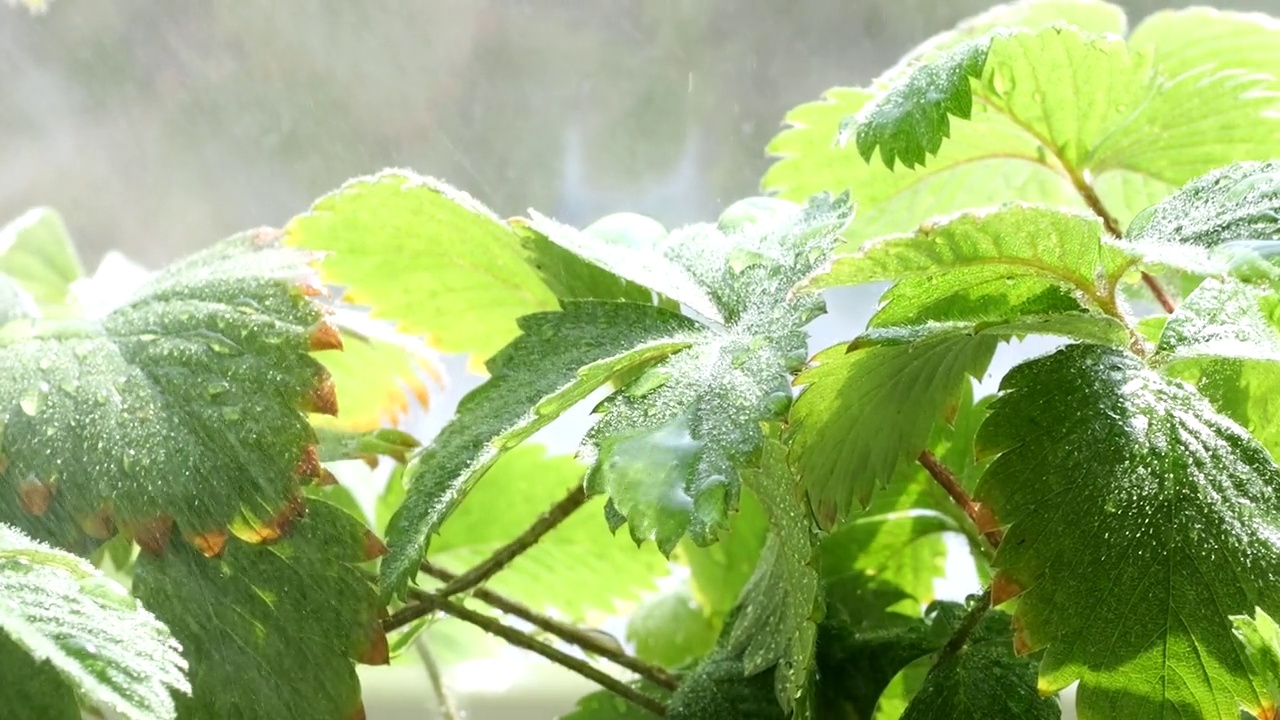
1259	636
36	251
672	629
427	256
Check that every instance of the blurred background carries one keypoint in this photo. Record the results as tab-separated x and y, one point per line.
157	127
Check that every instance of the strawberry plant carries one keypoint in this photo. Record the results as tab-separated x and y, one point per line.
174	544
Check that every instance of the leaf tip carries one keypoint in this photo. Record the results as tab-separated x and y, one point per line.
209	544
98	524
1004	589
373	548
378	651
152	535
35	496
324	336
308	466
323	398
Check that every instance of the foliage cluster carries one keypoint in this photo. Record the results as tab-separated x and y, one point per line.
173	541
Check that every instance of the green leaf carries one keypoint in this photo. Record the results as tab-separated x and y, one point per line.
1105	109
637	259
377	379
1224	339
670	445
1172	528
776	623
722	687
988	247
671	629
1188	39
36	251
1259	637
336	445
426	255
867	412
910	119
604	705
1223	319
572	278
1227	220
984	680
986	161
577	567
270	630
718	572
559	360
183	405
65	628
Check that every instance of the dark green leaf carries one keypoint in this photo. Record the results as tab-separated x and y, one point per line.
984	680
1133	554
559	360
910	119
65	628
723	688
776	621
184	404
270	630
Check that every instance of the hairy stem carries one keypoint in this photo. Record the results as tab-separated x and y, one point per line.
448	711
967	625
564	631
426	603
527	539
1113	227
943	475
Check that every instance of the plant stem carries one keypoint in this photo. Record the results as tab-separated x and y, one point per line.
1109	222
447	709
947	479
967	625
527	539
564	631
427	603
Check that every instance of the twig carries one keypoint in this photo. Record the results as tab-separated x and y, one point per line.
527	539
427	603
967	625
1112	226
448	711
947	479
564	631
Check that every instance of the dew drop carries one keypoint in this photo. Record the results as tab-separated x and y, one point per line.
33	400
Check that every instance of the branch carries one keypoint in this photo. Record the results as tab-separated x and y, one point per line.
1109	222
564	631
427	603
980	516
448	711
967	625
527	539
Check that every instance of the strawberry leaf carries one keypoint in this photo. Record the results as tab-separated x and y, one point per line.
66	629
1173	526
270	630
